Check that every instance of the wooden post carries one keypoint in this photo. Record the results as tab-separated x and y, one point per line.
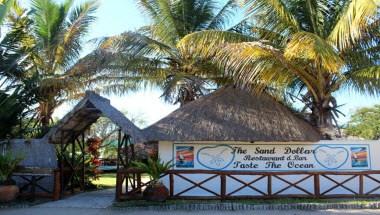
133	157
57	185
361	184
269	185
317	186
83	177
61	167
118	150
119	185
73	165
139	182
222	186
33	187
126	147
171	184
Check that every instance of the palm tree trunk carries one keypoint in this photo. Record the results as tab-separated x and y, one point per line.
45	112
322	118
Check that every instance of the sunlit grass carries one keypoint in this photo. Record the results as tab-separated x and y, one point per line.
106	180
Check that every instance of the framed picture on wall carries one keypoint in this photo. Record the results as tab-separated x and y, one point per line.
184	157
359	157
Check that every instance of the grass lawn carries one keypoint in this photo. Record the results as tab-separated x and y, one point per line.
143	203
106	180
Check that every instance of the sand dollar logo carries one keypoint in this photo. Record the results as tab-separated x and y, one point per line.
331	157
216	157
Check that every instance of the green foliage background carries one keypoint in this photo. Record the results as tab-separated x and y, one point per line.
365	123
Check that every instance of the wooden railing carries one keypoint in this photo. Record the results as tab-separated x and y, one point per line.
30	181
262	185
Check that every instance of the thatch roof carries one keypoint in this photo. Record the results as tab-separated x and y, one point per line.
231	114
87	112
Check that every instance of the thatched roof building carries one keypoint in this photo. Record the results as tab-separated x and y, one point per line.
87	112
231	114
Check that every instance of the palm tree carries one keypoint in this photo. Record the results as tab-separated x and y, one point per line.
57	34
313	48
150	55
15	99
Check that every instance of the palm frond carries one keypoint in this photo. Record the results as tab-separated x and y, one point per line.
207	43
365	81
353	22
254	65
310	47
135	43
165	25
48	19
78	24
273	15
149	7
5	6
223	17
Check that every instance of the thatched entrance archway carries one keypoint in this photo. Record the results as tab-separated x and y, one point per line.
70	135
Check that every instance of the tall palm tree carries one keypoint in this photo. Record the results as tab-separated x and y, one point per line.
314	48
150	55
57	34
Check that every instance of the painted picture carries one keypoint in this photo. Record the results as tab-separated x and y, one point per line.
359	156
184	157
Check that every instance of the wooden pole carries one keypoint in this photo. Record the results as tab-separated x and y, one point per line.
270	185
171	184
61	167
119	185
223	186
118	150
361	185
139	182
57	185
317	186
73	165
83	162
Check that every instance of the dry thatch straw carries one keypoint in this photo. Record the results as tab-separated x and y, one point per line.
87	112
231	114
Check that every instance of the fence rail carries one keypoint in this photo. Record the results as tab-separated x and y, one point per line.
276	184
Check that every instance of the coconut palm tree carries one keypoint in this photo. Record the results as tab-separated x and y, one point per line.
57	34
313	48
150	55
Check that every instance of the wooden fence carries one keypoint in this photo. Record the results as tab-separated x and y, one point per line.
228	184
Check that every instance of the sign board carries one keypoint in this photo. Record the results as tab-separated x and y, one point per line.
272	156
292	159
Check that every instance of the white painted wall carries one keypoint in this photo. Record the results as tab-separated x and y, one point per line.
335	156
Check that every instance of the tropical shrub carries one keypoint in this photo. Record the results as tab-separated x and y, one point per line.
153	167
8	164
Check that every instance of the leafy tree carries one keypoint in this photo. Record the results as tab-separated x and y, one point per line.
150	55
309	49
365	123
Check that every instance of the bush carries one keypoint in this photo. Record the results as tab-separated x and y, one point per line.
8	164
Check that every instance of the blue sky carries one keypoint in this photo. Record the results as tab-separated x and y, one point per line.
117	16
